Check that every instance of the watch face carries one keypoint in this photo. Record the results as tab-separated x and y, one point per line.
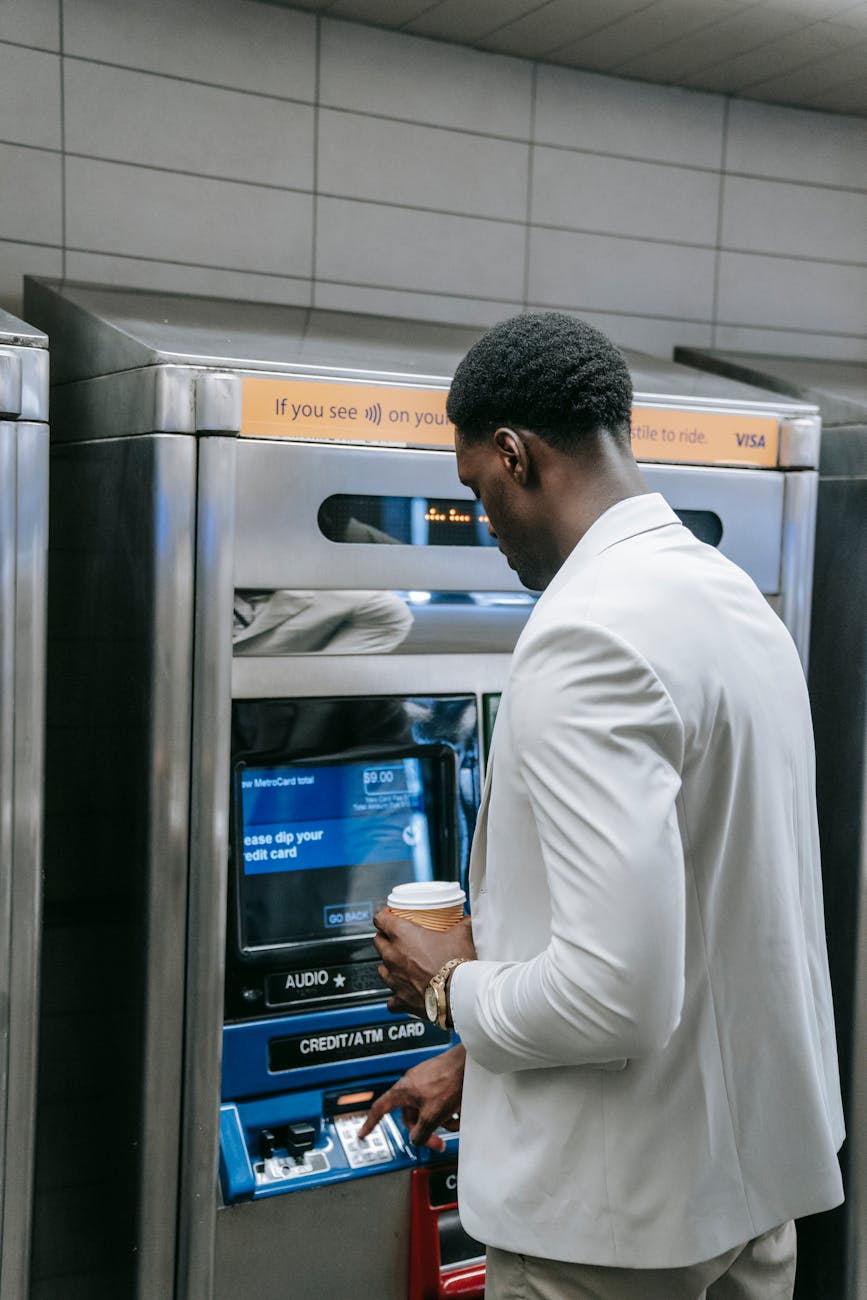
430	1004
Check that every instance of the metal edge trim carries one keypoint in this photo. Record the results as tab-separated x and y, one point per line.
209	837
26	883
169	696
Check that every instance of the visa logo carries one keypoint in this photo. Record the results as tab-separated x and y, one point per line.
750	439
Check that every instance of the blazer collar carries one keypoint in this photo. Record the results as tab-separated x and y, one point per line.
628	518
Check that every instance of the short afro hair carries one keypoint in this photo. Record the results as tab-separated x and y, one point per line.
546	372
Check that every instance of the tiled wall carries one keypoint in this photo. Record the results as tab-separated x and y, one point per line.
246	150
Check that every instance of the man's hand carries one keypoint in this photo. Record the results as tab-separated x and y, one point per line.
428	1097
412	955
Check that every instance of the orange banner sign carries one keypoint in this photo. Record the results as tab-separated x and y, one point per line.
416	417
704	437
302	408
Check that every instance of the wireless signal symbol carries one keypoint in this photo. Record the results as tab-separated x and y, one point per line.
373	414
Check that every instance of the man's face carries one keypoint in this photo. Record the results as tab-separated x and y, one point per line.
509	507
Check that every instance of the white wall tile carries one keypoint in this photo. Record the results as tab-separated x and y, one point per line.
780	292
18	260
412	126
144	213
222	42
800	220
29	97
32	22
790	343
161	121
428	167
31	195
793	144
395	248
589	192
413	306
415	80
595	272
169	277
609	115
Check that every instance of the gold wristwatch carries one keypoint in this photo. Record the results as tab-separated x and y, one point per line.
435	1004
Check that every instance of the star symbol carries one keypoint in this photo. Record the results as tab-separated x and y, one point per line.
339	981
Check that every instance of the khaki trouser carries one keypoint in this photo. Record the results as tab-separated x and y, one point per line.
763	1269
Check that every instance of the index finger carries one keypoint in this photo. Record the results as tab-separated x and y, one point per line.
386	1102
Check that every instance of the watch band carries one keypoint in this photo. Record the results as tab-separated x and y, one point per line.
438	987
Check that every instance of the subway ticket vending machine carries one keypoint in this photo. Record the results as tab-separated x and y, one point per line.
23	554
832	1248
281	633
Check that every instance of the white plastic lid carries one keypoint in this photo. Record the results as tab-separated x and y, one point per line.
426	894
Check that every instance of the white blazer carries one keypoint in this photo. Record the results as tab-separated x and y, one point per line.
652	1072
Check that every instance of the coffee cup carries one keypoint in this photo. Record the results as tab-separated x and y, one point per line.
435	904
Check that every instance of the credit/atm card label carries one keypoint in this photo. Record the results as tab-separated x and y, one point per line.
304	1050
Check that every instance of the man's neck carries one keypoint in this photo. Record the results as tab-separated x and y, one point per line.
591	486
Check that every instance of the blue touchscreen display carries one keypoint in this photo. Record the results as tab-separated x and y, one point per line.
322	845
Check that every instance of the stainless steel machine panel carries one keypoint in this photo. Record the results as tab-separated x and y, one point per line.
282	487
23	546
117	845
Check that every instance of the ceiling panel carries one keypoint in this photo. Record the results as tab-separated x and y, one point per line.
658	26
814	78
790	55
850	97
399	11
715	44
809	53
555	25
456	20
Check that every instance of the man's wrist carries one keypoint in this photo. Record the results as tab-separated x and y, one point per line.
435	1001
447	991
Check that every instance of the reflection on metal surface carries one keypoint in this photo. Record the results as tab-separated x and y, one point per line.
325	622
407	520
284	622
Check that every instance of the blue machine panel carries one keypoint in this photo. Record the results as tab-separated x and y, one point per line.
295	1090
334	802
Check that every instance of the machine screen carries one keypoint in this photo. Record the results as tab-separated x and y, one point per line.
321	846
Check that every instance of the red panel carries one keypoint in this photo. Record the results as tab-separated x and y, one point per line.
468	1283
427	1281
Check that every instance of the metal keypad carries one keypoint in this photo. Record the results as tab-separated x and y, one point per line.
375	1149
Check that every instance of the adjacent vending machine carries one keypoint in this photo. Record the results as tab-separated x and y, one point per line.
280	629
833	1248
23	552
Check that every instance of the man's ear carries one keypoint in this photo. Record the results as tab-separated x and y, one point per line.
514	457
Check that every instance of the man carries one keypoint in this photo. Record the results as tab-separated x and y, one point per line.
647	1076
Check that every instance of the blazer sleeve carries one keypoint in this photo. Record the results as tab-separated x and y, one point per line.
598	746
